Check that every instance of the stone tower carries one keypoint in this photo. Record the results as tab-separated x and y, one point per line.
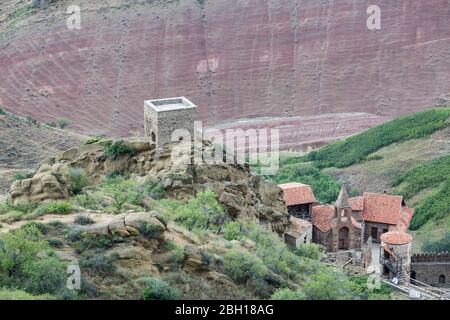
162	117
346	231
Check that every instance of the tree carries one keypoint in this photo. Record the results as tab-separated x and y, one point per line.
18	249
121	191
327	285
62	122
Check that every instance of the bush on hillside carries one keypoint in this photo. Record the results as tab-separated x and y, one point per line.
442	245
83	220
21	176
309	250
62	122
45	275
202	212
54	207
121	191
78	180
157	289
287	294
98	265
116	148
18	249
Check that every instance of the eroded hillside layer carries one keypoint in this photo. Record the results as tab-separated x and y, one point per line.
233	58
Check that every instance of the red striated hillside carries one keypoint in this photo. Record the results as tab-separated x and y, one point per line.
233	58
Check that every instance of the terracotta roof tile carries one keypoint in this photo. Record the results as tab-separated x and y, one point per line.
382	208
297	193
356	203
396	237
322	216
297	227
406	215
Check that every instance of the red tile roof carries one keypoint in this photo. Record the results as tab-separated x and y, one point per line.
356	203
405	218
382	208
297	193
396	238
322	216
297	227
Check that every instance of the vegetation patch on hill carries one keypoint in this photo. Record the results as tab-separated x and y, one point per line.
434	175
358	148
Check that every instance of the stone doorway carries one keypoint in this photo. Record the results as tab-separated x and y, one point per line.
343	238
153	137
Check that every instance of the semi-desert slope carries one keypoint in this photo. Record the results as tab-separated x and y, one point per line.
234	58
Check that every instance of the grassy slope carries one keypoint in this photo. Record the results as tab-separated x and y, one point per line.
409	156
358	148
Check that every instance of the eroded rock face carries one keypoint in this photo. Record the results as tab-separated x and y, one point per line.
252	58
243	194
48	183
127	224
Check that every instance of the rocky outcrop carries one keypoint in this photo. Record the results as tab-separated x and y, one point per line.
48	183
243	194
128	224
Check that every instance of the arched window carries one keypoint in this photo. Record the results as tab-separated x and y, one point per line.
441	278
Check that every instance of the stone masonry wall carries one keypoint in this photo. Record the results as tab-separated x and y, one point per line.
431	267
164	123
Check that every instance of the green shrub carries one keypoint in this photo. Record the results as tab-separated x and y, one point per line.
309	250
46	275
234	230
361	290
202	212
98	265
152	188
62	122
54	207
83	220
121	191
20	207
287	294
2	112
114	149
242	266
177	256
96	242
151	231
10	294
328	285
92	140
442	245
57	224
55	243
90	201
74	235
41	227
21	176
157	289
18	249
78	180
